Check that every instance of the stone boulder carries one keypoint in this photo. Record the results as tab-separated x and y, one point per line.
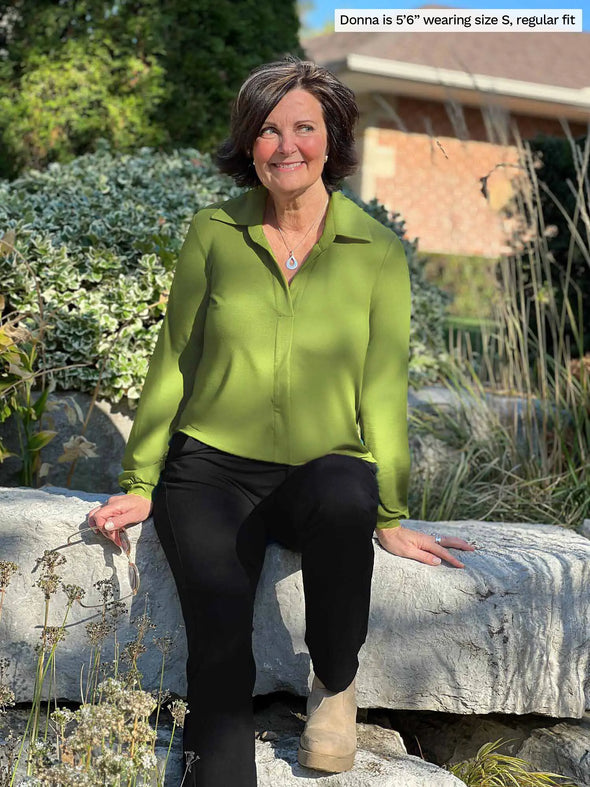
392	766
277	765
507	634
563	749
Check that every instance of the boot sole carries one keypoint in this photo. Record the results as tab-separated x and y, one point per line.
325	762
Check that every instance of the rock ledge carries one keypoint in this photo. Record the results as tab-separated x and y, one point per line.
508	634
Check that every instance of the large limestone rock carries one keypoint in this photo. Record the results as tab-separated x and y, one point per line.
277	765
509	633
32	521
381	761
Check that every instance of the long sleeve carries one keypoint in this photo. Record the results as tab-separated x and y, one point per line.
383	407
170	378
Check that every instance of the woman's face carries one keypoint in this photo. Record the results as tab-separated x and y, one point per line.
289	152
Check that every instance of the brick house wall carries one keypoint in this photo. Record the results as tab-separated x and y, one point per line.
428	164
437	114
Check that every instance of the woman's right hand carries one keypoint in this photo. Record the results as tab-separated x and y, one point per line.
118	512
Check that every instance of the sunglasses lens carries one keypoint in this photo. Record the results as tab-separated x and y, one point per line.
133	578
124	539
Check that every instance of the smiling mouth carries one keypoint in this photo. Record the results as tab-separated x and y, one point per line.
287	167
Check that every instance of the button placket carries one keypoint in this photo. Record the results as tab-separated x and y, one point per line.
281	366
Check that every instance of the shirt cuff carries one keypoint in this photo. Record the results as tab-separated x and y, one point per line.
141	491
390	524
390	518
132	485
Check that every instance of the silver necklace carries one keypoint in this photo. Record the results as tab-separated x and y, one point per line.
292	262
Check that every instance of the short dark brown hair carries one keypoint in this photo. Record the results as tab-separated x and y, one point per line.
261	92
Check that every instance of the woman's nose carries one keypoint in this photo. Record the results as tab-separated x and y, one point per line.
287	144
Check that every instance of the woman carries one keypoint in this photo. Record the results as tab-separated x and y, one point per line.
275	408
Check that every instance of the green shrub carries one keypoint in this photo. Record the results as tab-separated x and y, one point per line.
65	101
102	233
135	72
470	280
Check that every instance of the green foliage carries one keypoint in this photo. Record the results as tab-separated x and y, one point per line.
489	768
63	104
19	348
25	396
68	87
471	282
134	72
209	46
101	235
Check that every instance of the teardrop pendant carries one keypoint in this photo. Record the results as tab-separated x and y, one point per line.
292	262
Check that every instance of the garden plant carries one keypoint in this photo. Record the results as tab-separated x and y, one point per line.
125	71
109	739
519	434
491	768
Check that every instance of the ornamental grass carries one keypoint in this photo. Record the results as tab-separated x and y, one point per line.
490	768
515	445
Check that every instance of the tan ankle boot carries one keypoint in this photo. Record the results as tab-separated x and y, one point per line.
328	742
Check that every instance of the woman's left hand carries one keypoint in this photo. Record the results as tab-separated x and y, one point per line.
403	542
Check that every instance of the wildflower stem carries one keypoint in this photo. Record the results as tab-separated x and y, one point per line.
168	753
116	653
95	673
38	688
160	690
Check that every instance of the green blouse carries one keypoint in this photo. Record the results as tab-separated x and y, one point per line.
280	372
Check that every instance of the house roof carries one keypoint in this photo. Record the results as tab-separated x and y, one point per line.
556	59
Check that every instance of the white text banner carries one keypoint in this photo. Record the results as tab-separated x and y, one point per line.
436	20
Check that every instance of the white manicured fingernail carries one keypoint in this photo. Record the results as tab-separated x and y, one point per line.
436	561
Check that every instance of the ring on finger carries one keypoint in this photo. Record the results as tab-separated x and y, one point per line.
437	538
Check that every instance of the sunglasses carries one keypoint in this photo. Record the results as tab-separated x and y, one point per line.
125	548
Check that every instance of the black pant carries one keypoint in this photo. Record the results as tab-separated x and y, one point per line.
214	514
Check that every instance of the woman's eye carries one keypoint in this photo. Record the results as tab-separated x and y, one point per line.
266	132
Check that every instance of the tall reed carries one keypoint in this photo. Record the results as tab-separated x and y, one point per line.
527	458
